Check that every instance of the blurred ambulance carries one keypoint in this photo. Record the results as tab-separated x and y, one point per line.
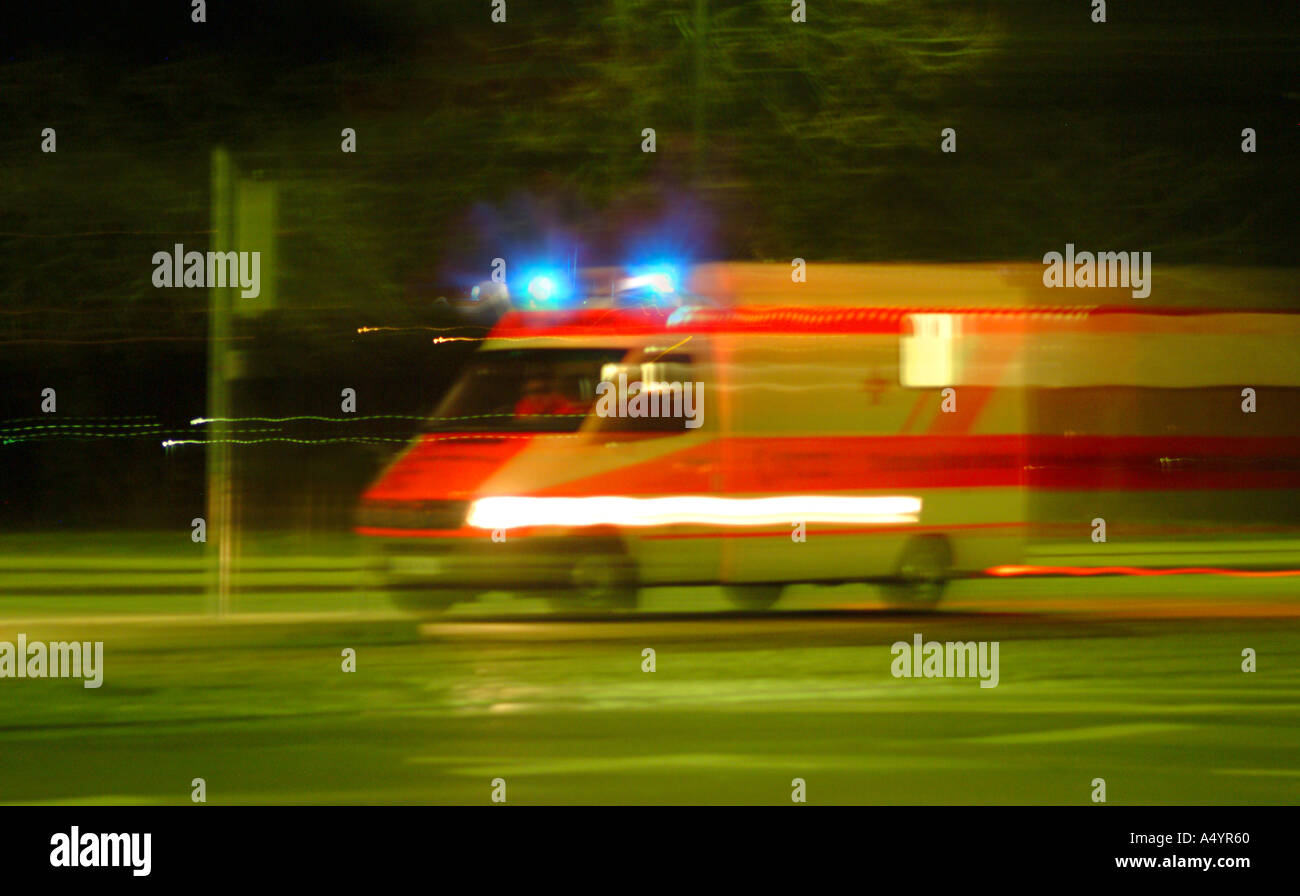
896	424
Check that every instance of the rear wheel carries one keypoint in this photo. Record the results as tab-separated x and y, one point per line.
921	574
753	597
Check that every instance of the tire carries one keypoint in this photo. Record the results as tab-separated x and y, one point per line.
755	598
921	574
601	577
428	600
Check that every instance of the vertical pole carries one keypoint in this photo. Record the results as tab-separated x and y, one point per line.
701	29
218	454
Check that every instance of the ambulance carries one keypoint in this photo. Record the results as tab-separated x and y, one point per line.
902	425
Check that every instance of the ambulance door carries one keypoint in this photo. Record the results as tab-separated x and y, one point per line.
813	415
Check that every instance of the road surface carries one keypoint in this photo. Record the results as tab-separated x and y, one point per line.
737	707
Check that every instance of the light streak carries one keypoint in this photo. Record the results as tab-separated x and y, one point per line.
199	421
171	443
517	512
1007	571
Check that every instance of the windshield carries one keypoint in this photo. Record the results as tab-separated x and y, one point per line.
524	390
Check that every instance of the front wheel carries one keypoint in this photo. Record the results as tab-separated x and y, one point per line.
753	597
601	577
921	575
428	601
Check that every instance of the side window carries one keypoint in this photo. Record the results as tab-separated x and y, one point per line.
658	394
930	351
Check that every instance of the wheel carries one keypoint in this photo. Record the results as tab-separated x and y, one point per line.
753	597
921	574
601	577
428	600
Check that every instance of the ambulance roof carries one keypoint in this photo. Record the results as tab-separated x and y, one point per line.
881	298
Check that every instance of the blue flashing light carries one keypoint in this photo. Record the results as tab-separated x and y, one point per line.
661	278
547	288
541	288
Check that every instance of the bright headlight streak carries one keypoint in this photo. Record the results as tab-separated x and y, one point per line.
520	512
